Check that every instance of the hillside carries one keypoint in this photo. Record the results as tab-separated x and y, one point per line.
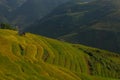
93	23
8	6
25	12
33	57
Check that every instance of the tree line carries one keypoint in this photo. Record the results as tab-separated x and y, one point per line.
10	27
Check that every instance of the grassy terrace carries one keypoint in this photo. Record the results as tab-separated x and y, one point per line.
33	57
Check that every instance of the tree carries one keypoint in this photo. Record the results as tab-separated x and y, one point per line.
6	26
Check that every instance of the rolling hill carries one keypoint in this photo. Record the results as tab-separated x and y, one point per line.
93	23
33	57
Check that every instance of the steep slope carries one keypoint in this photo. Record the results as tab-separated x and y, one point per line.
81	22
33	57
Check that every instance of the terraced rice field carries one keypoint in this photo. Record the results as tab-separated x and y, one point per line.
33	57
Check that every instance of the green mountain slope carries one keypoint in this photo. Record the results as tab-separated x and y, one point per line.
32	10
25	12
33	57
94	23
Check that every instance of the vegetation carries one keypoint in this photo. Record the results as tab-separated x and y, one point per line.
6	26
33	57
